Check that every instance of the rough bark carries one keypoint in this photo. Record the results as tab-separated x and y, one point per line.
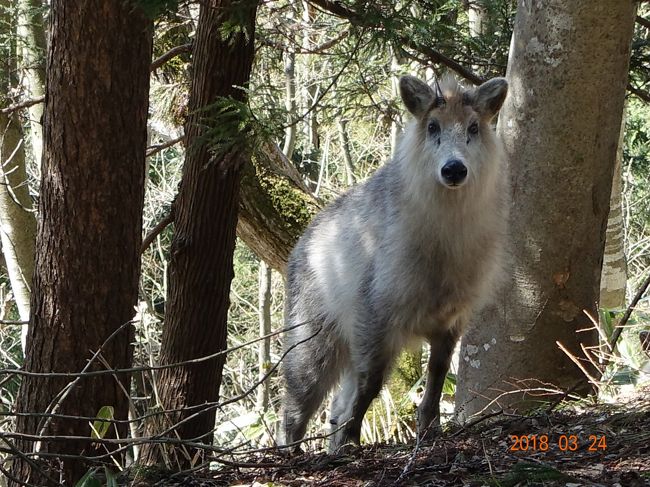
560	125
87	261
200	268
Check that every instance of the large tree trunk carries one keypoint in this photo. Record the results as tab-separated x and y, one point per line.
200	269
560	124
87	260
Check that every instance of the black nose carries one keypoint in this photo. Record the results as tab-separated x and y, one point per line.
454	172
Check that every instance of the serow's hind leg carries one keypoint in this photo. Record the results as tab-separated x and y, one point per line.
442	348
310	370
359	388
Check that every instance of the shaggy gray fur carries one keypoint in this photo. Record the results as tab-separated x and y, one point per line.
407	255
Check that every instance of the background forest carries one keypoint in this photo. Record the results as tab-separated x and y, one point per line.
315	111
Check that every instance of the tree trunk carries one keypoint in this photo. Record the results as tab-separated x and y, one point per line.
87	260
290	131
396	122
200	268
477	16
32	42
560	126
311	90
17	220
613	281
347	152
264	353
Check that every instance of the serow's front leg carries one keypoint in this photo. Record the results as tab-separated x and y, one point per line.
442	348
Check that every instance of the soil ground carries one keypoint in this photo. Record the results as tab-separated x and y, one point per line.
599	445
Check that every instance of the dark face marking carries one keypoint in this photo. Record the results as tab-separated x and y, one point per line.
472	130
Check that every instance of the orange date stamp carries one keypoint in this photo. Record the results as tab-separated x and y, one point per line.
541	443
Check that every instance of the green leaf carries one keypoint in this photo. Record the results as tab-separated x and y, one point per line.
449	387
100	428
89	480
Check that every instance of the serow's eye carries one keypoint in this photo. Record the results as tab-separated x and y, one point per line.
473	128
434	127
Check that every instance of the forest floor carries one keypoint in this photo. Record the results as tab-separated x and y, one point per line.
599	445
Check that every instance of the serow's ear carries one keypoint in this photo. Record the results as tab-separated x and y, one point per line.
416	95
490	96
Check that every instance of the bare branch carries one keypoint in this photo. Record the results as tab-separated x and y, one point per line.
14	322
172	53
155	149
642	95
356	18
155	231
644	22
438	57
23	104
95	373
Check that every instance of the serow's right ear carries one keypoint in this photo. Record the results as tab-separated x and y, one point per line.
416	95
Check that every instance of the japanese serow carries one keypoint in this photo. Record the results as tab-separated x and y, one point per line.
408	255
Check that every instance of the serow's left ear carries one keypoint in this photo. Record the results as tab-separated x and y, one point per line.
490	96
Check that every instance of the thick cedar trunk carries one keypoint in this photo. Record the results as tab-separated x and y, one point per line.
560	124
200	268
87	260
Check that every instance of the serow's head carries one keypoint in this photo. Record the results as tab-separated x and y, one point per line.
454	125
